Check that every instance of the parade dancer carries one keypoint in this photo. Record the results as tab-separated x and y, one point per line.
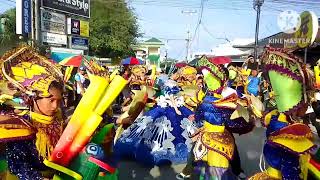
214	148
161	135
289	142
31	122
189	81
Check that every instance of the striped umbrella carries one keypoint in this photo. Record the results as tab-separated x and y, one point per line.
75	61
131	61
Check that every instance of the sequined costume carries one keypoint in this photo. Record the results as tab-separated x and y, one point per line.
288	141
214	146
29	136
161	135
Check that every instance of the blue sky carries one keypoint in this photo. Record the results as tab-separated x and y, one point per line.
221	18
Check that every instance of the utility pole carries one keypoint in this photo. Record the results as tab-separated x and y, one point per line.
188	46
257	6
166	60
37	21
188	12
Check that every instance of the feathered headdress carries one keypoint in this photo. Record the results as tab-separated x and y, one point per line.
290	79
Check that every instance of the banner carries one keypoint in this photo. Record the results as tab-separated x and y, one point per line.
77	7
23	16
78	27
79	43
51	38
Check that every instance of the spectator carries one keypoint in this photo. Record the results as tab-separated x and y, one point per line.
254	82
80	79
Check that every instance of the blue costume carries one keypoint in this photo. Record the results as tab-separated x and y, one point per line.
161	135
253	86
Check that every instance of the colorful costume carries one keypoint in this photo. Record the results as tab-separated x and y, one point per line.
29	137
214	146
188	82
288	141
162	133
73	145
95	161
138	77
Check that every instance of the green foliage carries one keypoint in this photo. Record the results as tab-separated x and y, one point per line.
113	28
9	34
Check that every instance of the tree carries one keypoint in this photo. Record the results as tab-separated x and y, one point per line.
9	33
113	28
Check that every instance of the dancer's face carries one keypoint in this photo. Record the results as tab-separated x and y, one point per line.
50	105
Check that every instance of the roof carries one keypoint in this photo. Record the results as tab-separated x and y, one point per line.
154	40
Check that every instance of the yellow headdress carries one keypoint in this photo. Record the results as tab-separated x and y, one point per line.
188	70
94	68
31	73
138	68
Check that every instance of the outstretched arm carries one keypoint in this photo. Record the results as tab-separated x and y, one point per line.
23	160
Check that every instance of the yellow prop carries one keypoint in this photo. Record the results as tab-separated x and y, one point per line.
114	73
67	171
317	76
274	173
135	108
314	171
67	73
86	118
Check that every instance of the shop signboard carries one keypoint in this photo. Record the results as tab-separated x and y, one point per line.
84	28
53	27
23	16
53	22
53	17
78	27
51	38
79	43
77	7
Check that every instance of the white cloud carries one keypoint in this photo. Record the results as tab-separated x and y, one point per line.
228	49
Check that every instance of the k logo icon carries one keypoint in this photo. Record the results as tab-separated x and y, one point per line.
289	21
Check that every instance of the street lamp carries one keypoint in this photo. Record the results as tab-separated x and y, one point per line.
257	6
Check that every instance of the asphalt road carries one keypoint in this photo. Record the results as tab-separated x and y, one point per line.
249	145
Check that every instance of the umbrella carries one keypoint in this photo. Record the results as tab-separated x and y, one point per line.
220	60
181	64
131	61
75	61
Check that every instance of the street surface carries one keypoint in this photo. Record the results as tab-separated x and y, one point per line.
249	145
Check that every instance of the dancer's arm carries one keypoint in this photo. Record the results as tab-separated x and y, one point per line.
21	160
